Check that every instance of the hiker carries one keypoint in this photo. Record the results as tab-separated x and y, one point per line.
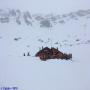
28	54
24	54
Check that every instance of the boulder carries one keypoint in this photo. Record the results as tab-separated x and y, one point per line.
52	53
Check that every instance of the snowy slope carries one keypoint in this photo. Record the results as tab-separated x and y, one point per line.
70	33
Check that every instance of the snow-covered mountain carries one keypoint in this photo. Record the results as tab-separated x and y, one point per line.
49	20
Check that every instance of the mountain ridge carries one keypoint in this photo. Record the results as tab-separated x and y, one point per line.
46	21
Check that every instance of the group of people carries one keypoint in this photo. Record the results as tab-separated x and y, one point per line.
28	54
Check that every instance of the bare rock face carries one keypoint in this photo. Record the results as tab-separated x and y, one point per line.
52	53
45	23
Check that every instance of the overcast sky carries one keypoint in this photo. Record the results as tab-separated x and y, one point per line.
46	6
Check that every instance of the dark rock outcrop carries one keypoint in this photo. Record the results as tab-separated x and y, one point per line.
52	53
